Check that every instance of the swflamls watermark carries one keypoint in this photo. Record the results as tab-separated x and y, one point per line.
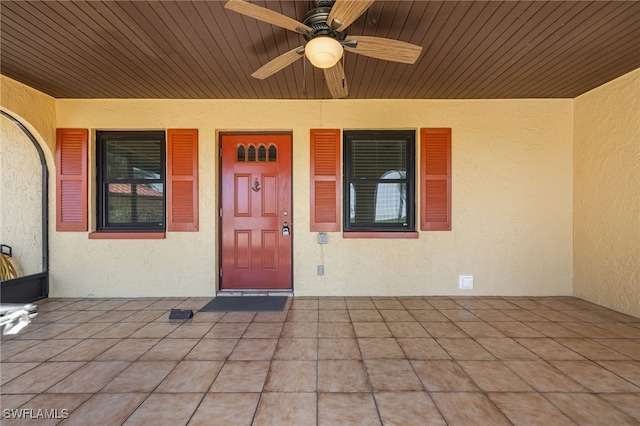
34	414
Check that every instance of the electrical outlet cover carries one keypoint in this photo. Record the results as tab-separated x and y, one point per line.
465	282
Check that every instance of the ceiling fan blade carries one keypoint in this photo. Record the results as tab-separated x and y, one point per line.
385	48
278	63
266	15
336	81
347	11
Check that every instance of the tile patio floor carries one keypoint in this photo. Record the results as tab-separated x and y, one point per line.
325	361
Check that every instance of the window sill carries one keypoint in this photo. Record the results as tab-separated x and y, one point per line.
102	235
381	234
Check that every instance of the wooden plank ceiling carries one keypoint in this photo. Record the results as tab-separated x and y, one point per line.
199	50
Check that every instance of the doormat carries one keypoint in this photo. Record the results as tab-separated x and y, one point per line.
245	304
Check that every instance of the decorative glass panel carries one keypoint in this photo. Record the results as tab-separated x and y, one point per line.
262	153
240	153
252	153
273	153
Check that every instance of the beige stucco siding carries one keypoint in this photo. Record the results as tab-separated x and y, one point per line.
20	198
21	173
35	110
607	195
511	198
512	202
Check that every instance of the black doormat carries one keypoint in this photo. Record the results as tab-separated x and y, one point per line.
245	304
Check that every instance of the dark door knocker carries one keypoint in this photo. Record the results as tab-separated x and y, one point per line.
256	185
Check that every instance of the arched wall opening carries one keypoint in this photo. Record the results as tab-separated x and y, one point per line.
23	211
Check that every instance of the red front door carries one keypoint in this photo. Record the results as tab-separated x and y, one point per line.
256	211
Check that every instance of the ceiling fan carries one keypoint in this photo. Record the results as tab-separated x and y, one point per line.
324	29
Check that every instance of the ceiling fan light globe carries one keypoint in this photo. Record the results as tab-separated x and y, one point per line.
323	52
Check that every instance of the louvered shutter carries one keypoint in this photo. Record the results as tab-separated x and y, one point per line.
182	180
71	179
435	180
325	180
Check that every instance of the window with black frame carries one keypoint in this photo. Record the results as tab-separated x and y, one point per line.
379	170
131	180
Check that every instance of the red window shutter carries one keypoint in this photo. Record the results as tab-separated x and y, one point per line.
435	179
325	180
72	147
182	180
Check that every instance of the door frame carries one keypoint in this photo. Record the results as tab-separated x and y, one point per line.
219	244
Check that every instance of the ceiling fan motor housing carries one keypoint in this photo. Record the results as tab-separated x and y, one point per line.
316	19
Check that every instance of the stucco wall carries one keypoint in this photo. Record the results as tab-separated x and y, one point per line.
34	109
511	172
607	195
512	202
20	198
20	170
